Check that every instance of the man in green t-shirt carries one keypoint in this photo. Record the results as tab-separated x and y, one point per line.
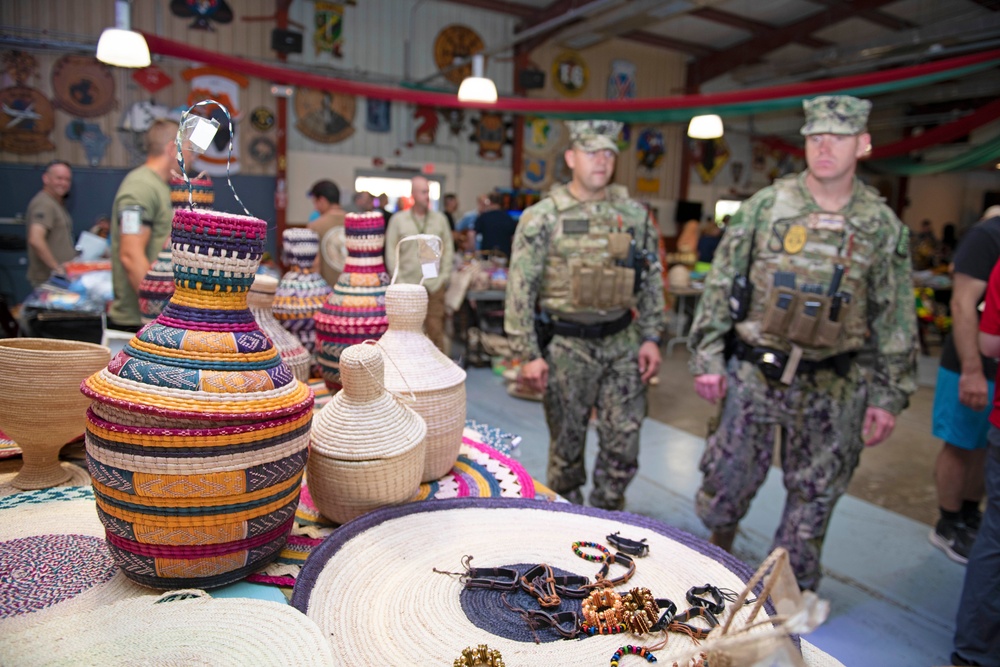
50	227
140	223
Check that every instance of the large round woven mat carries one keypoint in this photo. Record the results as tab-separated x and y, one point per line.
53	547
374	577
173	629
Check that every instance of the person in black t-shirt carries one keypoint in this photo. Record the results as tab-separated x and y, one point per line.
495	228
964	389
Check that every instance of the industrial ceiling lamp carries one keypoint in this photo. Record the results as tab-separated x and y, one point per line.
705	127
477	88
121	46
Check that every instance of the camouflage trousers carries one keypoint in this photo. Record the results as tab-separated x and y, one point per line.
821	417
603	374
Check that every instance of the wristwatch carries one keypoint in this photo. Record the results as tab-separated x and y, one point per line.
652	339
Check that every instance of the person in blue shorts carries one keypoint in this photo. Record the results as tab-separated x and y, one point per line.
964	389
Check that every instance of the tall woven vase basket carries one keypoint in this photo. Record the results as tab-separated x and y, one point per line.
355	312
301	291
367	446
157	285
197	434
260	300
414	364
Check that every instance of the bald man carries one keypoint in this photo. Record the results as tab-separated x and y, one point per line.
140	223
50	227
419	219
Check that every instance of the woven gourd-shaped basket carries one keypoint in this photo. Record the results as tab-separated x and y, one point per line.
158	283
198	432
260	300
301	291
415	365
355	312
367	447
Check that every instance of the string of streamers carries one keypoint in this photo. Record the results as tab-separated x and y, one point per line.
229	158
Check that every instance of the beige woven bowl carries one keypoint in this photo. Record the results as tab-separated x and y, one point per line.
367	447
414	364
41	407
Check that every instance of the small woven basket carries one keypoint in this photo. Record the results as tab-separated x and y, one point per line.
301	291
416	365
260	300
367	447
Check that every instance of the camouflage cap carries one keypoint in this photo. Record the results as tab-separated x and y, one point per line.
594	135
835	114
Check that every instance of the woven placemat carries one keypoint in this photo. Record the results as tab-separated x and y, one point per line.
480	472
54	542
176	628
378	572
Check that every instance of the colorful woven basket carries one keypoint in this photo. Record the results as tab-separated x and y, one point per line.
301	291
158	284
260	300
416	365
355	312
367	447
198	432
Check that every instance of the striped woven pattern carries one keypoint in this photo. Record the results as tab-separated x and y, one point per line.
201	193
157	287
355	312
301	291
198	434
261	303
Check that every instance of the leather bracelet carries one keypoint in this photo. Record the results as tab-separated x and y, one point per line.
492	578
681	621
539	581
667	617
631	547
601	579
716	607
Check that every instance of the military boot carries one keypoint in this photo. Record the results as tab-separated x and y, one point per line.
723	538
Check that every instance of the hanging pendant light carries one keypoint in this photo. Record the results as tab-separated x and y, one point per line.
121	46
477	88
705	127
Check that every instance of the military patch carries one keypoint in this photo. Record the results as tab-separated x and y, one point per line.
903	244
576	226
833	222
795	239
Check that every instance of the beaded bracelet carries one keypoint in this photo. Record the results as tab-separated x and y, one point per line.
482	655
602	610
603	558
639	610
628	649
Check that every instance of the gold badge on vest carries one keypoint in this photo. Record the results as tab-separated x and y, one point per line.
795	239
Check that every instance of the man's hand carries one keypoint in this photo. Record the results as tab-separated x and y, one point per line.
649	360
711	387
973	390
534	375
878	425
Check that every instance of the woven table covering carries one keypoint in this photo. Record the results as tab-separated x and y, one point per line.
54	560
177	628
481	471
375	576
8	447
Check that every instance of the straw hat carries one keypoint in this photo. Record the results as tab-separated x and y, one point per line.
178	628
367	447
425	617
54	541
415	364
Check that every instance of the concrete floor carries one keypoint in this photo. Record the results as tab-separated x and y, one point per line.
893	596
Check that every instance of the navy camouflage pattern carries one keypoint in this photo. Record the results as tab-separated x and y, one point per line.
835	114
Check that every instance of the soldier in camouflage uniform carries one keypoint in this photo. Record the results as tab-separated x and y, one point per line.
578	254
809	270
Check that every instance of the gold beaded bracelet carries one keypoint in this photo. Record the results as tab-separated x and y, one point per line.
640	610
481	656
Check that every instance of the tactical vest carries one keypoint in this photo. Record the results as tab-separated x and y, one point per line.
584	280
810	273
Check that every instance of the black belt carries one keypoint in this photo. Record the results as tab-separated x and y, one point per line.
772	362
599	330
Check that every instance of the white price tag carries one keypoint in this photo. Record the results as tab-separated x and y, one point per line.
203	134
429	269
131	220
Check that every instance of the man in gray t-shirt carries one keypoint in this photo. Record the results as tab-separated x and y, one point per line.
50	227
